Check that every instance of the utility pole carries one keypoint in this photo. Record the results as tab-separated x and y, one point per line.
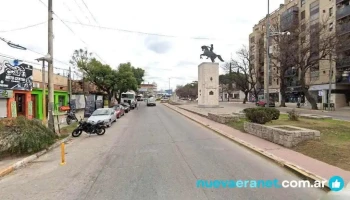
330	81
51	123
70	83
267	77
44	93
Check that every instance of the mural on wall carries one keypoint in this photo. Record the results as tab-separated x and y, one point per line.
79	101
90	105
14	76
99	102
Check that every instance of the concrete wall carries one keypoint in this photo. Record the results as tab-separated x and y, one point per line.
208	84
58	79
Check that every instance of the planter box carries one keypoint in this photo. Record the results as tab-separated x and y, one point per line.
287	136
222	118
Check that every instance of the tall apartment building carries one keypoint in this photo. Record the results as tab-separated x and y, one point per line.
306	13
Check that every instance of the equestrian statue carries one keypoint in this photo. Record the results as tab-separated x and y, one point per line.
208	51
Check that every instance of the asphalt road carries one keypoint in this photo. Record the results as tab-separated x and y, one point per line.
151	153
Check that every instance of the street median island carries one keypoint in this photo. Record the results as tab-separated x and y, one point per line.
223	118
285	135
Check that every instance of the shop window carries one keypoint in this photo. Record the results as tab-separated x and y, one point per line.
61	100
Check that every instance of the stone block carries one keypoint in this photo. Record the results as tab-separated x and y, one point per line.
208	85
284	135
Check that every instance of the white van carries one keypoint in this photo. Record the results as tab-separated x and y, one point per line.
151	101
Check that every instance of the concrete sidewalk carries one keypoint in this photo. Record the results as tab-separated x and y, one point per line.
230	107
309	167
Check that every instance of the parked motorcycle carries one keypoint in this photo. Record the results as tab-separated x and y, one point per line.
98	128
71	117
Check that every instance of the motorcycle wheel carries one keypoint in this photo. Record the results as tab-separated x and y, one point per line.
101	131
76	133
68	120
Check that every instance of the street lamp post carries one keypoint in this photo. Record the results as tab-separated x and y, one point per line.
268	35
267	82
46	58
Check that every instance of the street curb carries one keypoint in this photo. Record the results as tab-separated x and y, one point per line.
27	160
292	167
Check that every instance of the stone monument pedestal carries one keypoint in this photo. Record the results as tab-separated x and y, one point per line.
208	85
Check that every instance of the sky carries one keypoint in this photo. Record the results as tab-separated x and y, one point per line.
162	37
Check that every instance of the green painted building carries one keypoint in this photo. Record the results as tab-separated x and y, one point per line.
61	98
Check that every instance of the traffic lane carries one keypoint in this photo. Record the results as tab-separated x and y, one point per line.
45	178
224	159
154	159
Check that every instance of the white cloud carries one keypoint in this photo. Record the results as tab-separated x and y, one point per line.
228	22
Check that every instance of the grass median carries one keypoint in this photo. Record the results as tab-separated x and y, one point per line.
334	146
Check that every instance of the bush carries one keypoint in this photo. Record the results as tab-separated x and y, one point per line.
293	115
261	115
275	113
23	136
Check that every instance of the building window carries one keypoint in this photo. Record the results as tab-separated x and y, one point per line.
211	93
302	15
302	3
331	26
330	11
303	27
252	39
277	81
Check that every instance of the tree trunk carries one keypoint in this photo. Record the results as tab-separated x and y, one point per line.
120	96
283	94
306	92
283	89
109	100
245	97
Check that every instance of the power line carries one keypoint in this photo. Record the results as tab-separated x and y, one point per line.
72	12
82	11
89	11
139	32
43	3
27	61
17	29
73	33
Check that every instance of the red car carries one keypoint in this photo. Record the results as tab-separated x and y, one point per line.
119	111
262	103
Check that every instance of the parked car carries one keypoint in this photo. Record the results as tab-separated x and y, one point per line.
151	101
126	107
262	103
119	110
107	115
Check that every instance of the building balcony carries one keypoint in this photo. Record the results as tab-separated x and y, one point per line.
343	63
339	1
343	12
291	73
343	28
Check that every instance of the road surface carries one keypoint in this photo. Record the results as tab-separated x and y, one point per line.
151	153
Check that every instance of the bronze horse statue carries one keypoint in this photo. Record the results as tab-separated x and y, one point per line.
210	54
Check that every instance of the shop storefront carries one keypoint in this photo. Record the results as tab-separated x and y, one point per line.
18	79
61	98
4	96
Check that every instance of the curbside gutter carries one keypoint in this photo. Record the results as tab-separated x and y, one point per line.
290	166
27	160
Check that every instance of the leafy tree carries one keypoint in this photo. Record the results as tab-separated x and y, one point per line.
189	90
139	73
126	79
101	75
80	59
